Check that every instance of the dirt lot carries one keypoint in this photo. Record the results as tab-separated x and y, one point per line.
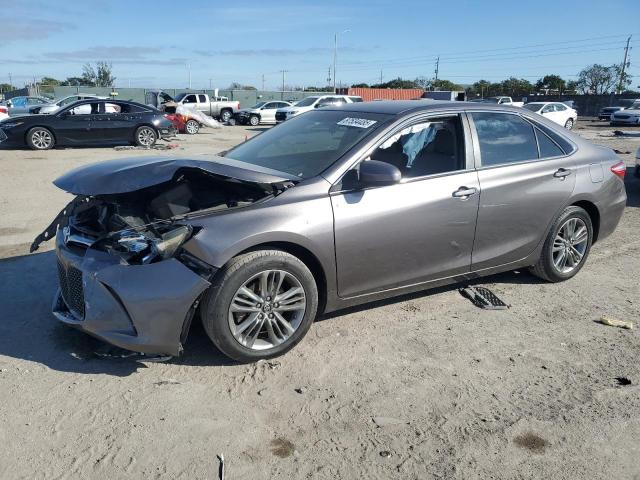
425	386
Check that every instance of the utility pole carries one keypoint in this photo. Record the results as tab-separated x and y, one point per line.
10	80
329	76
437	66
263	82
624	65
210	84
380	76
283	73
189	68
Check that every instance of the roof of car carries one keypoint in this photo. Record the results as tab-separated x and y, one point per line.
395	107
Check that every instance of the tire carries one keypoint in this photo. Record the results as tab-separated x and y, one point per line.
225	115
254	120
192	127
216	308
546	267
145	136
40	138
569	124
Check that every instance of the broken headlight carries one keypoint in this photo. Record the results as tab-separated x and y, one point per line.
146	247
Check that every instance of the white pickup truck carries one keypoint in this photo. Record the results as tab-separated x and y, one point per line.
218	107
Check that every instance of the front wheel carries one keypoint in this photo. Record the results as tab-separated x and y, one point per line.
225	115
254	120
145	136
192	127
566	247
569	124
40	138
260	305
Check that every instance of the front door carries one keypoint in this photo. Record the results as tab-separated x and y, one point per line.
418	230
75	124
525	178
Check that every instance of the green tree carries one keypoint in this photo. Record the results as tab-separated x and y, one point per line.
360	85
49	81
98	76
516	87
397	83
444	85
598	79
75	82
6	87
552	82
484	88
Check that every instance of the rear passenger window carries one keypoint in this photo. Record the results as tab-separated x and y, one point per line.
202	98
548	148
504	138
564	144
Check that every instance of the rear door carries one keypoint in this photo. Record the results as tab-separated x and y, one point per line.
415	231
526	180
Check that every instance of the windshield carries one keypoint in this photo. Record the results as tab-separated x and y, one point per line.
534	107
66	101
306	102
180	96
306	145
258	105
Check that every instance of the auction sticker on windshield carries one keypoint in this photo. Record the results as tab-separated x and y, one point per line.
356	122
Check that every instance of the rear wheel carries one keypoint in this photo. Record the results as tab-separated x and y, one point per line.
569	124
145	136
40	138
254	120
225	115
260	305
566	247
192	127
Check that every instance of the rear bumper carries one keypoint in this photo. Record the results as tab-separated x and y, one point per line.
144	308
611	213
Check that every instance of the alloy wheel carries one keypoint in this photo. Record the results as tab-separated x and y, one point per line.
146	137
41	139
569	124
570	245
192	127
267	309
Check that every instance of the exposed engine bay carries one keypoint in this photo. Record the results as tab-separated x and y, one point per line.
143	226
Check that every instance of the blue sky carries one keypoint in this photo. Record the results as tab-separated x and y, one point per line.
150	43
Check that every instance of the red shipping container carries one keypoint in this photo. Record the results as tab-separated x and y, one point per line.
370	94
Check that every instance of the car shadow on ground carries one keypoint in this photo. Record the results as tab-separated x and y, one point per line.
29	331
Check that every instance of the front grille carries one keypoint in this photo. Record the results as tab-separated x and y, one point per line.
281	116
71	288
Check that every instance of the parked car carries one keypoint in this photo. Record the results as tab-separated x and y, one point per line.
57	104
571	104
218	107
87	122
628	116
499	100
21	105
261	112
316	101
336	207
556	112
622	104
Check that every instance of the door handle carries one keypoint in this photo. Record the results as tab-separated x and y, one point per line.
562	172
464	192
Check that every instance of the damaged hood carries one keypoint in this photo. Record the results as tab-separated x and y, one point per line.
131	174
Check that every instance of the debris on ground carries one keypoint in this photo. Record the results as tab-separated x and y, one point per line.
621	133
300	390
386	421
157	146
221	467
531	441
613	322
385	453
623	381
484	298
620	152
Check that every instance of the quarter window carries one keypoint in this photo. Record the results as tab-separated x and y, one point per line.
548	148
504	138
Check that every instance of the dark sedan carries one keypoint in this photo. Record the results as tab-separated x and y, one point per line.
88	122
336	207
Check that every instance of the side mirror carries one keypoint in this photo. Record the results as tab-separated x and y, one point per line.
374	173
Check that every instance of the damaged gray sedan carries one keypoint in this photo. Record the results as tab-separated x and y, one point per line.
334	208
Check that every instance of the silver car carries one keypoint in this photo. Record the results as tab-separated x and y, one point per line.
261	112
337	207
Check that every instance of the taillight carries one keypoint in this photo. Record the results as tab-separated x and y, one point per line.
238	106
619	169
4	110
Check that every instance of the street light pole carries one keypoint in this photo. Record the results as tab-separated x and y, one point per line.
335	57
189	68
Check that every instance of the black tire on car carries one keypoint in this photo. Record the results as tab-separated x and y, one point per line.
145	136
192	127
254	120
216	307
569	124
225	115
556	242
40	138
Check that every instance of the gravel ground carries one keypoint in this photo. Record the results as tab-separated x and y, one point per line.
424	386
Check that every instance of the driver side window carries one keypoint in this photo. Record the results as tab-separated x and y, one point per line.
426	148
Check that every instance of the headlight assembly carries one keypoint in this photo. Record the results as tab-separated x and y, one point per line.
146	247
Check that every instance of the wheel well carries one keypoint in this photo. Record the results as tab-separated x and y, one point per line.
55	139
308	258
594	214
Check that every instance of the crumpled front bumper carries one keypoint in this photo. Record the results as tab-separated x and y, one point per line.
144	308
